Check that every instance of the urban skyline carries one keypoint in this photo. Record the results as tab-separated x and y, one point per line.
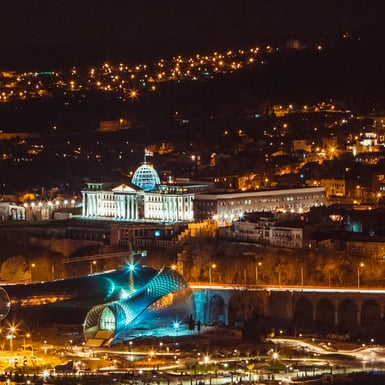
256	217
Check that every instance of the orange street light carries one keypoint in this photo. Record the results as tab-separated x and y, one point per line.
212	266
358	274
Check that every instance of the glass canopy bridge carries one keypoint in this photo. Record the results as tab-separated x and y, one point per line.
110	305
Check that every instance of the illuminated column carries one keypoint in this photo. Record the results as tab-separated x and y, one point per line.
191	208
84	202
165	207
171	209
136	205
175	209
129	207
87	204
164	203
116	214
118	206
185	208
93	205
131	214
125	208
127	202
180	209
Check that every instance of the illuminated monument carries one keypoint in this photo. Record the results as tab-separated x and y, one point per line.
144	199
112	306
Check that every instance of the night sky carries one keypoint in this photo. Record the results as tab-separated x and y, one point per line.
28	24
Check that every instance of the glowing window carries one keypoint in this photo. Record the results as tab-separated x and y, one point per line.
107	319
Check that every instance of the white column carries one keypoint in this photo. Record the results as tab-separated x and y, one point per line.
117	206
164	207
128	207
83	204
94	205
125	215
136	208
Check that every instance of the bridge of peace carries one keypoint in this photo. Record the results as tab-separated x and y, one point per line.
298	309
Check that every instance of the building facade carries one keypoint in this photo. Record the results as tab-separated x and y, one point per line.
226	208
145	199
266	232
11	211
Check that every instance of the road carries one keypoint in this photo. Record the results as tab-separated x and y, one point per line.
310	289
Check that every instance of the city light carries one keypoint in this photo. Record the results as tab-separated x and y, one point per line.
212	266
176	325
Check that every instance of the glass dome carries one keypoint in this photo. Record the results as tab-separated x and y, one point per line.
146	177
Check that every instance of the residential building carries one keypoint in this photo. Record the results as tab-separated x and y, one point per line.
268	231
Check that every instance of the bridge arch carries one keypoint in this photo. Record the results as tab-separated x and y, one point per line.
371	322
348	317
325	316
216	312
303	316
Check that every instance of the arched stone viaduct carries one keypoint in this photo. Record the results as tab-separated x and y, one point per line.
349	312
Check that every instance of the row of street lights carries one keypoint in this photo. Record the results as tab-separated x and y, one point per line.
259	264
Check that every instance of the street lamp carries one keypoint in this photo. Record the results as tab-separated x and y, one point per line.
256	272
32	267
358	274
92	264
212	266
11	336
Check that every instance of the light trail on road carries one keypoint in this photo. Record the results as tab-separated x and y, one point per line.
308	289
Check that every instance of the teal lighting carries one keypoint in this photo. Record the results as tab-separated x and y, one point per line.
131	267
158	305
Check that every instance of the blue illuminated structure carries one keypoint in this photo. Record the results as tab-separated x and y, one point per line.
146	177
72	297
165	298
122	302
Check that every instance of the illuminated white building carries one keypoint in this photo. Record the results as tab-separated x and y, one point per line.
147	199
229	207
144	199
11	211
